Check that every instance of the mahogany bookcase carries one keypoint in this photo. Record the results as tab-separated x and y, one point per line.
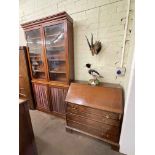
51	59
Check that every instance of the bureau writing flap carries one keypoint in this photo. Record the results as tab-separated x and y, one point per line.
100	97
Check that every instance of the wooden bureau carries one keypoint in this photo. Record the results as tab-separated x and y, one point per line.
95	111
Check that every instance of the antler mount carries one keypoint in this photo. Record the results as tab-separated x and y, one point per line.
94	47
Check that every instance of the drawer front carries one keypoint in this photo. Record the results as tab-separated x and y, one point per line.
75	109
92	131
94	124
83	109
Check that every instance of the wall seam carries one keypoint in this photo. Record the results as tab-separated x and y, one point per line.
96	7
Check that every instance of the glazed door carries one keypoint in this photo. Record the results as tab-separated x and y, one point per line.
55	52
36	53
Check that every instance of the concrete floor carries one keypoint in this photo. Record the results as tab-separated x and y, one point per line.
52	138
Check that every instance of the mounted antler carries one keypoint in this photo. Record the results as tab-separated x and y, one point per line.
90	47
94	48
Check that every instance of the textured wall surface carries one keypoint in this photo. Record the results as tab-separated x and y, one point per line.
105	19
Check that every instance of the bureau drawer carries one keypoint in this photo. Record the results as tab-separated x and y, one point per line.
94	124
84	109
92	131
92	116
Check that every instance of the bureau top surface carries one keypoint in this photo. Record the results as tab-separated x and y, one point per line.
100	97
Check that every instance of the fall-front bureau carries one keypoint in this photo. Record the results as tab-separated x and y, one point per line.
95	111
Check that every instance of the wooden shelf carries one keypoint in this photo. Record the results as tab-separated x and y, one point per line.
55	53
31	49
57	59
36	60
34	38
51	35
38	71
61	45
35	65
59	79
35	56
59	72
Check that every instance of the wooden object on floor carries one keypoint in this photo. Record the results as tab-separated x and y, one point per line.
26	136
51	59
96	111
25	88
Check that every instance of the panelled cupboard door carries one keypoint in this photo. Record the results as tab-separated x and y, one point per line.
55	52
36	56
57	99
42	96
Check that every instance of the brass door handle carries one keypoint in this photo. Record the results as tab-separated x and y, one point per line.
22	94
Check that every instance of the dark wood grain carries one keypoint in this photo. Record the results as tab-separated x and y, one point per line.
57	101
83	110
41	96
98	118
93	131
26	136
101	126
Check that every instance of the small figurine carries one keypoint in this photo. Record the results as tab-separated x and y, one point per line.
94	48
95	81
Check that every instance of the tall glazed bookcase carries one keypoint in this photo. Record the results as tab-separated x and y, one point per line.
51	60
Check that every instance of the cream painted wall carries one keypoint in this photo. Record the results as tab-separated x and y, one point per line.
127	138
22	41
104	18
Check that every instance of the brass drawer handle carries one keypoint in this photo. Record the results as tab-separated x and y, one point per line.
107	116
74	108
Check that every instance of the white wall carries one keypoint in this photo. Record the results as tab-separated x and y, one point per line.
22	41
127	139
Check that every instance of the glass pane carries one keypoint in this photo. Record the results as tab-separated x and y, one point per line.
58	77
54	29
54	40
34	44
35	50
33	34
57	66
